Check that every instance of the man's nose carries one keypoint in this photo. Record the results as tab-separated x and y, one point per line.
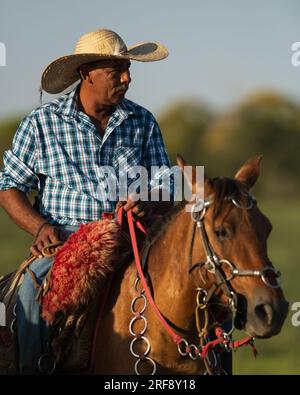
125	77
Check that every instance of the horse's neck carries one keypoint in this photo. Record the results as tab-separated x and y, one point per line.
168	267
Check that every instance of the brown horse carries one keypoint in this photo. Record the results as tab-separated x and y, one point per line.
227	260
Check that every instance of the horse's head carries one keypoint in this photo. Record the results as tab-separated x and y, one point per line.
236	269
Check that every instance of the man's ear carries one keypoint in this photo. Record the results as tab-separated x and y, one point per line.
249	172
84	73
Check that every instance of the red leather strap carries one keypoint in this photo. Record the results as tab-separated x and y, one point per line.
120	216
232	345
176	338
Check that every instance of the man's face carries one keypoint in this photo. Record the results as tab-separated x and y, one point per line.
109	79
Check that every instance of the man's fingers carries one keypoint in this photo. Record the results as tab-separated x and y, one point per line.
129	205
53	238
137	209
35	251
40	245
47	236
120	204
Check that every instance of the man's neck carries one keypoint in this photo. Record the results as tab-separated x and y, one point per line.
91	106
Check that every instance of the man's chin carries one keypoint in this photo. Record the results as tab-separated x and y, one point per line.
119	98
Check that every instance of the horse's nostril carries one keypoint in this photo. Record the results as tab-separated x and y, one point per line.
264	312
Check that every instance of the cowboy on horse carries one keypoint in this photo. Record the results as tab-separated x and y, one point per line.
159	316
59	150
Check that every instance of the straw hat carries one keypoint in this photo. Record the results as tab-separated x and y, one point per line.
101	44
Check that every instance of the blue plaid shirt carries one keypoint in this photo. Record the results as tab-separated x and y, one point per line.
58	151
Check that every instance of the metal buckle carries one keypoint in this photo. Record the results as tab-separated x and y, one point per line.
133	304
249	206
145	359
265	278
46	370
198	210
231	268
13	325
194	352
186	344
202	293
136	339
134	320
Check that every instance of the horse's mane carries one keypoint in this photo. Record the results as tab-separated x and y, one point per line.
159	227
223	188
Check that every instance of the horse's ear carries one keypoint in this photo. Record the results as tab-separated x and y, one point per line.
180	161
249	172
189	178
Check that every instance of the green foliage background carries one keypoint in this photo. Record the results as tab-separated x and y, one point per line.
265	123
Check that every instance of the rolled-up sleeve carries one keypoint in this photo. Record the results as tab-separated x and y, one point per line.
158	163
20	161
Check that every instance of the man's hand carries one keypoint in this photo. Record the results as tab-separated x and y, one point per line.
140	209
48	235
144	210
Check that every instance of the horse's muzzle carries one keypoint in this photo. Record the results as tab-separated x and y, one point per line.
266	314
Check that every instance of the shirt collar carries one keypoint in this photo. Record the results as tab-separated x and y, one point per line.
67	104
124	109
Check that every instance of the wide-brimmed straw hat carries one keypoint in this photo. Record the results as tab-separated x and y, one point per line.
94	46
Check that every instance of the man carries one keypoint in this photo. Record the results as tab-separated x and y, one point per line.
60	148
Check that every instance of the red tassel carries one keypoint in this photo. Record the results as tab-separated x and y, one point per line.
86	258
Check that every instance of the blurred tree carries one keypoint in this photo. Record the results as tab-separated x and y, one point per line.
8	128
184	125
266	123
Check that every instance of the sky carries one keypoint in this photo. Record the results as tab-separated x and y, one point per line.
220	50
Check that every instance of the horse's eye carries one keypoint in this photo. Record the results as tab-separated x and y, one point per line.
221	233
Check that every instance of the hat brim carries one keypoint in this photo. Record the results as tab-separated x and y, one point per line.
63	72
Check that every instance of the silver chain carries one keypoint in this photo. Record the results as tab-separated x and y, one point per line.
139	337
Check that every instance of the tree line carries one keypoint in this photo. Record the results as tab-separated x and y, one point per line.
265	123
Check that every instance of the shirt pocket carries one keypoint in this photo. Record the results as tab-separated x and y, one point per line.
125	157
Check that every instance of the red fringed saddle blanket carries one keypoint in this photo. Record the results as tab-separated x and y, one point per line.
80	266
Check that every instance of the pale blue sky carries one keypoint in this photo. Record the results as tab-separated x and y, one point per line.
219	50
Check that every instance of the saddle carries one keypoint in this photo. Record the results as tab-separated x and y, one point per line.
70	344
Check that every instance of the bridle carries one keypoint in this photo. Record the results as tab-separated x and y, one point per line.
214	265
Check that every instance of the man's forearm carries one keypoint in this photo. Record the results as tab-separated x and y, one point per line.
19	208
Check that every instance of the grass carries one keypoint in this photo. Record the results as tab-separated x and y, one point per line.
278	355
